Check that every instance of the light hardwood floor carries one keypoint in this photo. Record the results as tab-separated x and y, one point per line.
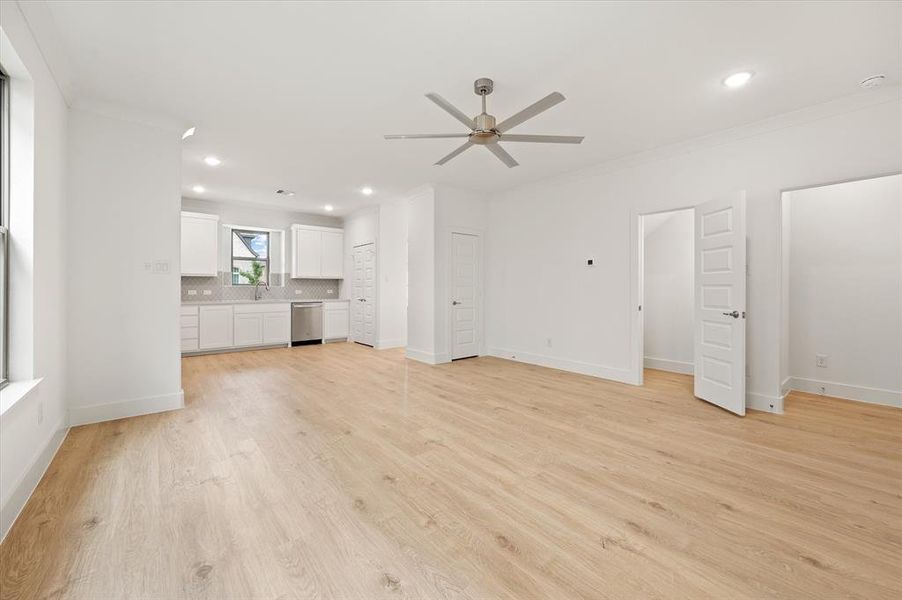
342	472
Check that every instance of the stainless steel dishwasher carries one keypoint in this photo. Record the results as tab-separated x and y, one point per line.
306	323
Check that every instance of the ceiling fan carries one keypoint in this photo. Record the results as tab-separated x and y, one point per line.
485	131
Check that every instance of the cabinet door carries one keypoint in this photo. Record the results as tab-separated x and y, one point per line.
276	328
308	253
335	324
215	327
333	254
248	329
199	245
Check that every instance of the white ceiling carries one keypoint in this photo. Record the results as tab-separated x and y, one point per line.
298	95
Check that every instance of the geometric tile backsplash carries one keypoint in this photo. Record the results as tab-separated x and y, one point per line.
307	289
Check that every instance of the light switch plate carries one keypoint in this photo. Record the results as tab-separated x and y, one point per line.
192	292
208	292
820	360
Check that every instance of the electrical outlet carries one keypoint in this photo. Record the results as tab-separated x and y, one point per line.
160	267
208	292
820	360
192	292
822	390
297	292
548	342
330	291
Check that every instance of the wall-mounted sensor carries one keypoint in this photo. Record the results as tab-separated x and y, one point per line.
590	262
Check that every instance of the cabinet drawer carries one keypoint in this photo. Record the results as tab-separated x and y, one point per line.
335	305
189	345
189	320
189	333
189	310
241	309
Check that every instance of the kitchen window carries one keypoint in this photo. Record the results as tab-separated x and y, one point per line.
4	228
249	247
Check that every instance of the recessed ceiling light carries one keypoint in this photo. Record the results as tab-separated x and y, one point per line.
366	191
199	189
737	80
328	208
212	161
188	133
872	81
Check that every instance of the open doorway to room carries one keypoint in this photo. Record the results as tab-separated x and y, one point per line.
668	282
842	291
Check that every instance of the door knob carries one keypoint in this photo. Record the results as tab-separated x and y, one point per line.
454	303
734	314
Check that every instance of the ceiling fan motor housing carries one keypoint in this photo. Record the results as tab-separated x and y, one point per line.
484	132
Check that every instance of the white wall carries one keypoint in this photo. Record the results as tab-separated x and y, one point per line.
541	234
845	289
32	428
123	332
421	276
392	267
668	291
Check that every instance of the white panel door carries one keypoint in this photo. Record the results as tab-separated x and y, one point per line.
248	329
363	299
464	295
308	247
720	272
277	327
215	327
333	255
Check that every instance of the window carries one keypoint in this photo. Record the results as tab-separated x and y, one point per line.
249	247
4	228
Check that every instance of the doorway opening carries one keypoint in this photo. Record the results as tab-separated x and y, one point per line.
842	291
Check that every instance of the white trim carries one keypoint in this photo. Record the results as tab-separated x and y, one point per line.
386	344
15	392
479	234
197	215
858	393
673	366
299	226
619	374
28	482
422	356
96	413
764	403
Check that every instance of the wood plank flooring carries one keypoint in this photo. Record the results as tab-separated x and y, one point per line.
342	472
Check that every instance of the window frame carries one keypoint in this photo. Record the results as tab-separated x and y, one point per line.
4	225
232	257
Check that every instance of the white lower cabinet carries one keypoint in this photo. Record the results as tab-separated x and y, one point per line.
224	326
336	320
216	326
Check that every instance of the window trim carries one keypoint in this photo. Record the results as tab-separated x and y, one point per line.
232	257
4	224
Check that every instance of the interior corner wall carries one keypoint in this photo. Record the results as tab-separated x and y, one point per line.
845	289
542	233
392	273
123	271
421	276
668	293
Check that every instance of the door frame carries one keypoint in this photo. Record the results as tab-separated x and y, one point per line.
637	290
375	294
480	283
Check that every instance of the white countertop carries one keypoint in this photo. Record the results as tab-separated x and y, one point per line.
263	301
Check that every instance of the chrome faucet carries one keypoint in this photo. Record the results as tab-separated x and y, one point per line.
257	289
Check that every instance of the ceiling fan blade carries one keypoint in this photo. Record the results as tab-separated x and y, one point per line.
423	136
543	139
531	111
445	159
502	155
451	110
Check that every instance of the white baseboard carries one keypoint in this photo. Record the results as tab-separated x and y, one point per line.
764	403
665	364
421	356
24	488
386	344
859	393
96	413
574	366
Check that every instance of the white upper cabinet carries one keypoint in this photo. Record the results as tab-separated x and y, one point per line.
200	244
317	252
